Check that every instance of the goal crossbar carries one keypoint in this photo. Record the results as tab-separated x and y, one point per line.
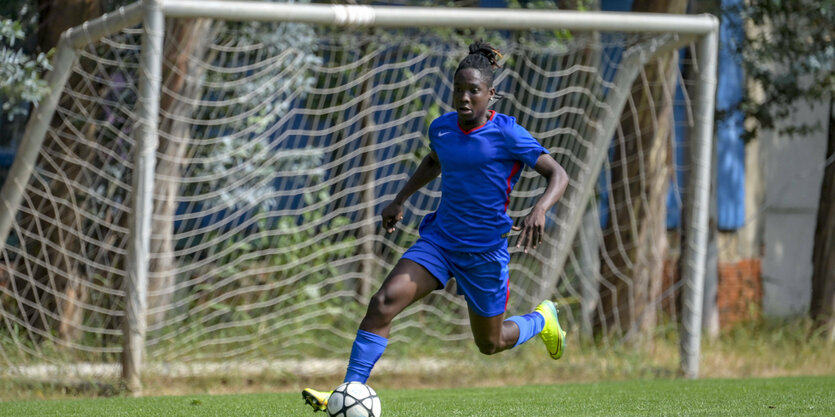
393	16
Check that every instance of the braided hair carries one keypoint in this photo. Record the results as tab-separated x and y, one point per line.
484	58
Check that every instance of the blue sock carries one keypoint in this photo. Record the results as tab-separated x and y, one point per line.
368	347
529	326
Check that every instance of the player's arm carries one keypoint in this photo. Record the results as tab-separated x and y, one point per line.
428	170
533	226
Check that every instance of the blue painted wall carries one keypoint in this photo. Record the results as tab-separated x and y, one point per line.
730	149
730	165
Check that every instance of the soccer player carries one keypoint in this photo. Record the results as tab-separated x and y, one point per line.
480	154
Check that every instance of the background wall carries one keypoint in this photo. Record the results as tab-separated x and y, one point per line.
792	175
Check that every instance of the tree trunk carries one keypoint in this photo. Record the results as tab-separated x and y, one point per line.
822	308
56	16
365	233
367	177
369	225
57	284
186	42
635	240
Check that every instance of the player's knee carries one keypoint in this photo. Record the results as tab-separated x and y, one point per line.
488	346
382	307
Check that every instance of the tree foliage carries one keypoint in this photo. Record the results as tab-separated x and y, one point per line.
790	53
20	73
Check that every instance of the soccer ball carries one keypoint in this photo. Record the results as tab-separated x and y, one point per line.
354	399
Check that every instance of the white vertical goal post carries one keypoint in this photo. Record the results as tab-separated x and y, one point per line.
274	144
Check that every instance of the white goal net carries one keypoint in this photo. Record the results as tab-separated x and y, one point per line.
277	145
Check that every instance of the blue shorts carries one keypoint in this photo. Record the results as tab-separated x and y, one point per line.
482	277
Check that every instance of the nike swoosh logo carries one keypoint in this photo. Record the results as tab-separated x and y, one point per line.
443	133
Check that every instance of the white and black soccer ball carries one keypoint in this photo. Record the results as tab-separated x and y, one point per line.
354	399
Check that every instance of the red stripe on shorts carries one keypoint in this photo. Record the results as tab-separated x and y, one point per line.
507	296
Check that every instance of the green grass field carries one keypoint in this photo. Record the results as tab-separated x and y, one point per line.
792	396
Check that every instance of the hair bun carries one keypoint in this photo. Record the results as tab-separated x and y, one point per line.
486	50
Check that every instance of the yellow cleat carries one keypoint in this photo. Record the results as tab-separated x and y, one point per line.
316	399
552	334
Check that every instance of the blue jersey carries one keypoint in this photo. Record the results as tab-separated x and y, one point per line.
479	168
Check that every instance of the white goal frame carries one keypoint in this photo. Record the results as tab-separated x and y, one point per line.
701	29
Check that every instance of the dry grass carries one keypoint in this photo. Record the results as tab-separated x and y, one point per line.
754	350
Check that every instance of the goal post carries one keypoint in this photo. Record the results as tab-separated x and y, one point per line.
693	266
267	151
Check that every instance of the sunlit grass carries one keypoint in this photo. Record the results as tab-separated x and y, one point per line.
753	350
806	396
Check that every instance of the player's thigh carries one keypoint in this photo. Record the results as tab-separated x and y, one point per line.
405	284
484	282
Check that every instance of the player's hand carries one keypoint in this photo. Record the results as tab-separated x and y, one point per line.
392	214
533	229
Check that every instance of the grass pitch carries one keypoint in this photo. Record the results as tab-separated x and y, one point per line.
805	396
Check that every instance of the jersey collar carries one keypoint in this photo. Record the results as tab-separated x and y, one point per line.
467	132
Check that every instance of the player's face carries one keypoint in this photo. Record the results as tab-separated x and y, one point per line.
470	96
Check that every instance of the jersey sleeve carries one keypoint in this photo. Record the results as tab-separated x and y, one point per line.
432	133
521	145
